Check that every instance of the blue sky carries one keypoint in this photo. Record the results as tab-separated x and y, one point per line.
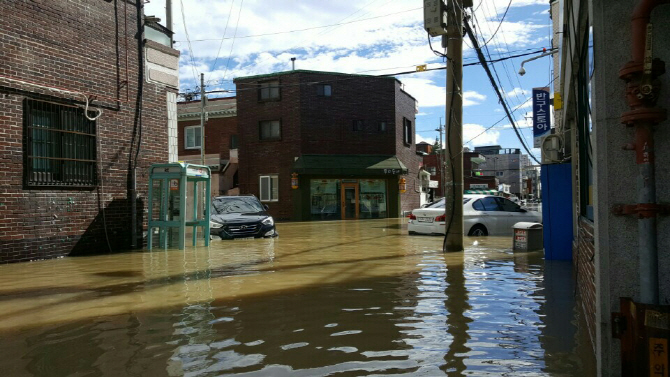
368	37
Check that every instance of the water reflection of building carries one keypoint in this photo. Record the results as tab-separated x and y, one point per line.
194	334
342	141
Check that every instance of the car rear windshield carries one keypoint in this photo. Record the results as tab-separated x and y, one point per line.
236	205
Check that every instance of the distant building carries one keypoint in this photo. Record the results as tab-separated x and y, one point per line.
345	143
474	180
87	104
505	164
424	147
221	140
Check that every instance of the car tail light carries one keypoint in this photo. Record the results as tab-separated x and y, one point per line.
441	218
411	216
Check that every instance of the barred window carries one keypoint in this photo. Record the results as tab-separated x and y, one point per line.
60	145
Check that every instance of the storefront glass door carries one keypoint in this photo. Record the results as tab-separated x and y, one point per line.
349	199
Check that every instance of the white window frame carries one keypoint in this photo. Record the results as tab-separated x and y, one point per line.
271	194
196	141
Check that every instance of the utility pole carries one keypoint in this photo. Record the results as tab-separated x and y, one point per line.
453	241
440	158
168	14
203	98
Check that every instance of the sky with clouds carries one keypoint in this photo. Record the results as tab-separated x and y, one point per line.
225	39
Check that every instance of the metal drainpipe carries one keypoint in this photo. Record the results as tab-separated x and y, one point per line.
642	94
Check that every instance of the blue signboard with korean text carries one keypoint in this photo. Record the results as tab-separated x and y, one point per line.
541	115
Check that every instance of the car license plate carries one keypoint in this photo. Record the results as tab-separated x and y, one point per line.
425	219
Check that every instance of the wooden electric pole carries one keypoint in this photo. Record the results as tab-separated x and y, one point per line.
453	241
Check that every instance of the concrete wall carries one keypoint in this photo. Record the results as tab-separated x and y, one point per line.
79	46
616	238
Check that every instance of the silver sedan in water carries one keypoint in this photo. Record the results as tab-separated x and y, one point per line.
483	215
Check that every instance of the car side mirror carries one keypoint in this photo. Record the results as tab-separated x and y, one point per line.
266	207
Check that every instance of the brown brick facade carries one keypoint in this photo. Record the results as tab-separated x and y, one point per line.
218	132
584	267
79	46
314	124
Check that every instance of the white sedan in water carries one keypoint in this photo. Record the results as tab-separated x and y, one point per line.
483	215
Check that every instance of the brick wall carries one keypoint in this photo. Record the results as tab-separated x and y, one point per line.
312	124
268	157
218	132
405	107
584	267
79	45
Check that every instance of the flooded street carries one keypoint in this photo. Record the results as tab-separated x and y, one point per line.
325	298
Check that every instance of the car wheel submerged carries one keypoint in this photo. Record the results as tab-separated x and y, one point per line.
478	231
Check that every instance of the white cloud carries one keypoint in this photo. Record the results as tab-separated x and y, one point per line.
475	134
519	92
419	138
374	36
471	98
430	94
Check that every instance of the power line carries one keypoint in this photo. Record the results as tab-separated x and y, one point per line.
239	14
499	24
468	30
230	12
307	29
382	75
188	39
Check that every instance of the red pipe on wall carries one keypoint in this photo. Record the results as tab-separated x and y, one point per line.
640	19
642	89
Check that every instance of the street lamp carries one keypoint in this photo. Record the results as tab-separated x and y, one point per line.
522	71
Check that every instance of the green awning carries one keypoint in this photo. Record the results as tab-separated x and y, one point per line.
358	164
482	192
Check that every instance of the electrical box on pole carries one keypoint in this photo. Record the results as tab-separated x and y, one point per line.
435	17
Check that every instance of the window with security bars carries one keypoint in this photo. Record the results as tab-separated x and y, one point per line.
60	146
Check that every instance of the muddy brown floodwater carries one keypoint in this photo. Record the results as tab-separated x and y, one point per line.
325	298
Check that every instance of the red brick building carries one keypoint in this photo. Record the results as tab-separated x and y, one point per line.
221	140
71	185
346	140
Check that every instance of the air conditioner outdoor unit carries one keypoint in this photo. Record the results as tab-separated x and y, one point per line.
551	149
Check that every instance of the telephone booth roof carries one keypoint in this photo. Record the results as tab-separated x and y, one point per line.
180	169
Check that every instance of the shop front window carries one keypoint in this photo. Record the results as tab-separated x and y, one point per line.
325	199
373	199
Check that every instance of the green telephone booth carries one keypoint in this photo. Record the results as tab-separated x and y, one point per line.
171	186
